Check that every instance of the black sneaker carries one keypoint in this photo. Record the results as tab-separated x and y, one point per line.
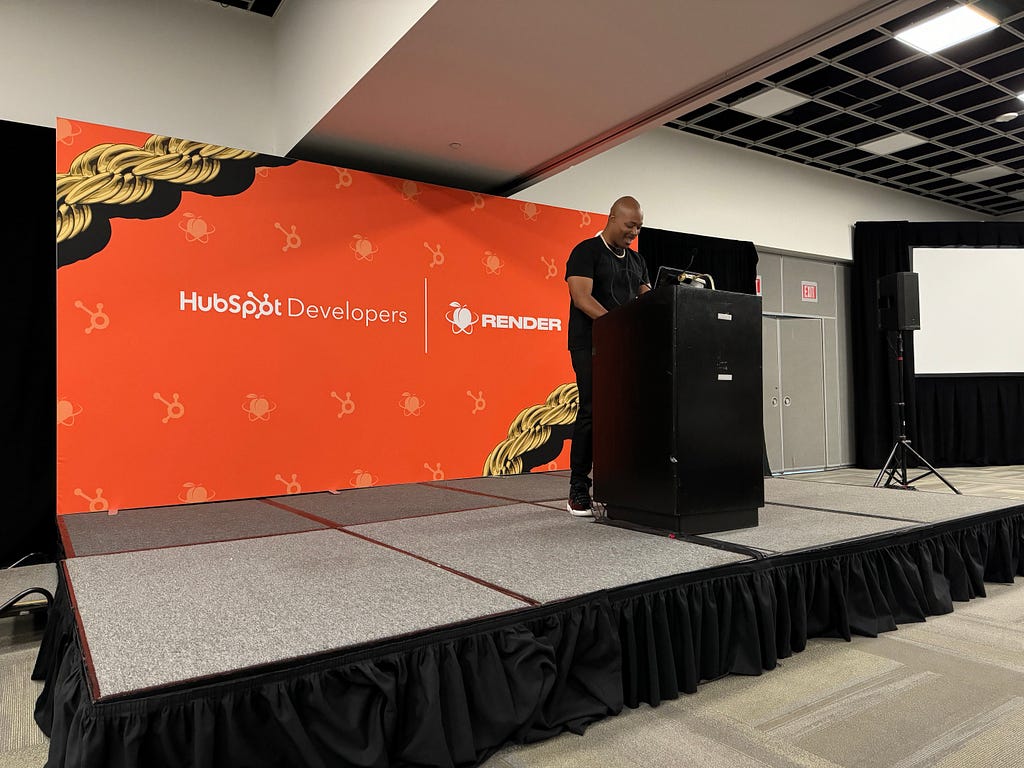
580	504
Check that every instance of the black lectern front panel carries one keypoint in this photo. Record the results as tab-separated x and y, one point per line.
718	401
633	395
677	410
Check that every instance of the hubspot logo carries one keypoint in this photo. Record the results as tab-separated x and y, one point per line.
462	318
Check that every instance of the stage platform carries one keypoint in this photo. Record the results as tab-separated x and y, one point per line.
430	624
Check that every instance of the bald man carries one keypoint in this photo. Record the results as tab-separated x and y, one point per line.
602	273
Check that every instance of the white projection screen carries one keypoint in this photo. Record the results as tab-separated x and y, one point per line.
972	310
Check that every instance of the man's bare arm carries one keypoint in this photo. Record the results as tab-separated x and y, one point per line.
581	292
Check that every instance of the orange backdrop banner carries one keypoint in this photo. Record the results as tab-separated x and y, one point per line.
233	325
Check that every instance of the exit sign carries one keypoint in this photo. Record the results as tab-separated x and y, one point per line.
808	291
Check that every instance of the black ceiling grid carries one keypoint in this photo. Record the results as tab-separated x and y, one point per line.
873	86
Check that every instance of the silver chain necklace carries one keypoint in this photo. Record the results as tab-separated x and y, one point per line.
616	255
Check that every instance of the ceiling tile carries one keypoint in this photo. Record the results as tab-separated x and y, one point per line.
965	138
919	177
821	148
942	127
700	112
939	184
887	105
987	147
968	99
790	139
1000	66
724	120
988	113
743	93
913	72
873	87
943	86
840	99
922	150
1017	24
867	133
959	166
865	90
794	71
837	123
848	156
805	113
758	130
1006	155
983	46
871	164
940	159
919	116
892	171
880	56
821	80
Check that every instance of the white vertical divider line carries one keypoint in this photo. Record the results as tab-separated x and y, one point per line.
425	350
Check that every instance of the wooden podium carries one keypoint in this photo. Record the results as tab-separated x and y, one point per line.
678	433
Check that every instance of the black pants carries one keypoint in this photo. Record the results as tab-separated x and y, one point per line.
581	453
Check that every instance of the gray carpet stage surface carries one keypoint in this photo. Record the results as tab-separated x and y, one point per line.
96	533
164	616
918	506
535	486
790	529
387	502
544	554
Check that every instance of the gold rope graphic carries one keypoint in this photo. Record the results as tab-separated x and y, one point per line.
125	175
532	429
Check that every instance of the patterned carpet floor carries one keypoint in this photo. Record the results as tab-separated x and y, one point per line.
947	693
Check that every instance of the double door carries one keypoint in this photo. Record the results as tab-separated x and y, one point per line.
794	392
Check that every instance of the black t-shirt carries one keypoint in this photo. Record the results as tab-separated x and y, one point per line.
616	282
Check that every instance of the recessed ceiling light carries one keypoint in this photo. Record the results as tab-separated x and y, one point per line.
455	145
770	102
889	145
983	174
1006	117
1020	96
947	29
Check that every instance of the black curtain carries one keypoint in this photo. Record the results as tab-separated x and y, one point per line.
971	420
935	424
29	396
731	263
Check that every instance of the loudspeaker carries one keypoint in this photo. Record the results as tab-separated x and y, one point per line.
899	305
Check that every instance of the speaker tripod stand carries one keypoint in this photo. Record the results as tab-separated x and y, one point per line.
895	469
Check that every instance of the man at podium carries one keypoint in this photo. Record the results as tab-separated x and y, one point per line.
602	273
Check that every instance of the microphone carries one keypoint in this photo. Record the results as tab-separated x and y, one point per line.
693	255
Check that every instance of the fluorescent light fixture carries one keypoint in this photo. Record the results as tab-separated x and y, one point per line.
983	174
1018	195
889	145
1020	96
947	29
768	103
